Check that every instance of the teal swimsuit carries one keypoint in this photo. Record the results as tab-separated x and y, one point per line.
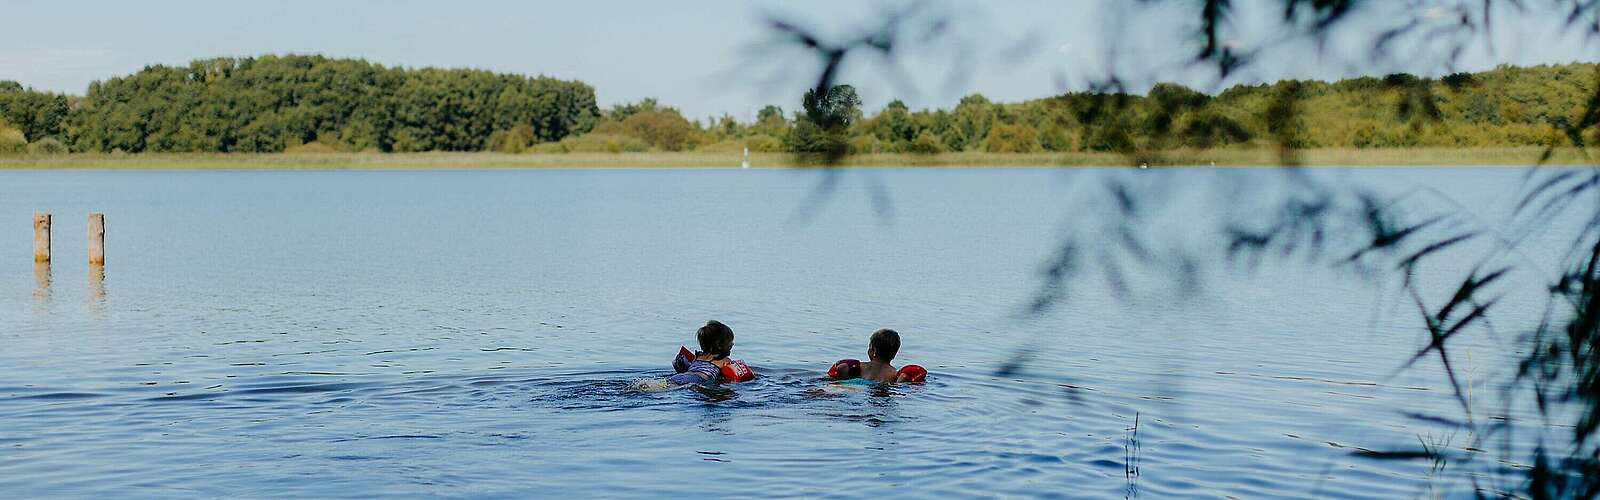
858	381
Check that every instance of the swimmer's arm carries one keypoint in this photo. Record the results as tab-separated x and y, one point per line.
688	378
698	373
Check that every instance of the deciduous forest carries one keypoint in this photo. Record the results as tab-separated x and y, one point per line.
305	104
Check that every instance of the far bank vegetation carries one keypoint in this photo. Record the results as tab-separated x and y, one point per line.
312	104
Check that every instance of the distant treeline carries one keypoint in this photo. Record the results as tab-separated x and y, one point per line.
272	103
312	103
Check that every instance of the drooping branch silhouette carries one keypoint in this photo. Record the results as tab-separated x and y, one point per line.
1339	225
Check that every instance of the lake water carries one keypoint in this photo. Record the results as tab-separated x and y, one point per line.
358	333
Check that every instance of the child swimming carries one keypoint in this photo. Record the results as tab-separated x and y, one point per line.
710	364
881	349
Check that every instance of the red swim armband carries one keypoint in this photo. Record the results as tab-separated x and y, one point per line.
845	369
737	371
681	363
911	373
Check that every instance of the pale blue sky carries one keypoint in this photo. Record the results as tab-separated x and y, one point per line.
700	56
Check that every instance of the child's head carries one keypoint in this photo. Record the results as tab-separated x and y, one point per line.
715	338
884	345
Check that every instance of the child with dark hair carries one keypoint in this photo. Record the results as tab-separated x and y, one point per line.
710	364
881	349
885	343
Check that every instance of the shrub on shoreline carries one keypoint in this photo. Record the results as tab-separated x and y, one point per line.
12	142
47	146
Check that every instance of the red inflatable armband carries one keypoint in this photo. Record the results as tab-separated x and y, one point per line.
911	373
685	358
737	371
845	369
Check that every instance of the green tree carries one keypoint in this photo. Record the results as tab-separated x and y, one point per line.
1209	129
808	138
269	103
769	113
36	114
893	124
515	140
925	143
47	146
823	129
622	111
12	142
1011	138
834	108
666	130
972	116
770	121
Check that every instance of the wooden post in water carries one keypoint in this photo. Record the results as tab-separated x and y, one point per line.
97	238
41	237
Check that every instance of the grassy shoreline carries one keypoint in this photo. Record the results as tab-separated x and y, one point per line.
1222	157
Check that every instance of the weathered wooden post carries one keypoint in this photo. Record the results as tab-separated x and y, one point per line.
41	237
97	238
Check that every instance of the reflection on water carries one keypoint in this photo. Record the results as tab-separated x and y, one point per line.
41	281
97	290
487	338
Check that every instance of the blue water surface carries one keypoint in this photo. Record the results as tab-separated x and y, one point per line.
482	333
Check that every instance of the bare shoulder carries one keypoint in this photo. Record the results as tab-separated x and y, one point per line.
882	373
